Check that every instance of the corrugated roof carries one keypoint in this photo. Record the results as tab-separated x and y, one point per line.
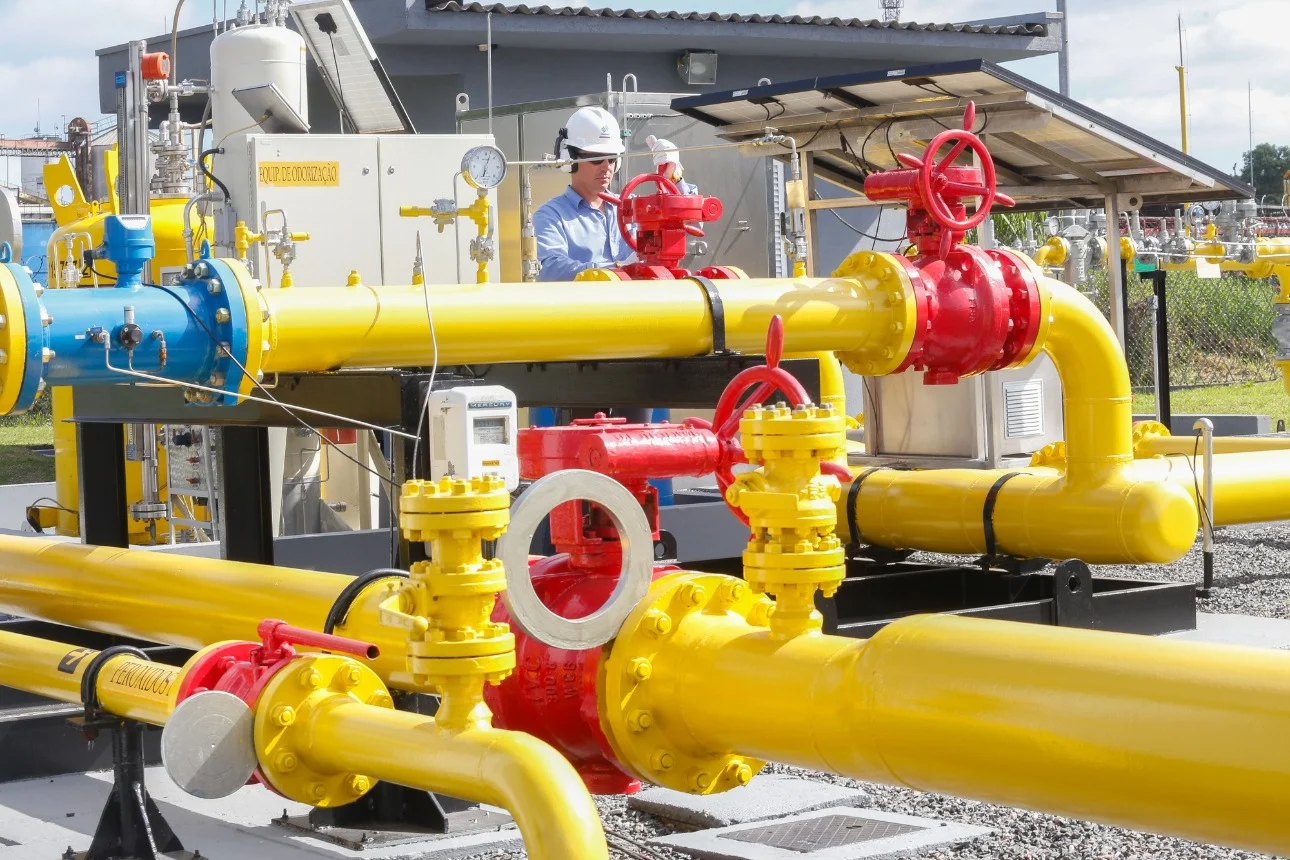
1027	29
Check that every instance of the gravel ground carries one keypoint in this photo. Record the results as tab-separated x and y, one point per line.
1252	577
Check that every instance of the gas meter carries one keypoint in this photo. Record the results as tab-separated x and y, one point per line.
473	432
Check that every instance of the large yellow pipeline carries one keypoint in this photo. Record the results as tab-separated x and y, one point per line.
870	316
508	769
181	600
1168	736
1101	507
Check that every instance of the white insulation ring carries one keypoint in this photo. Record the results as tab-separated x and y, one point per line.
528	512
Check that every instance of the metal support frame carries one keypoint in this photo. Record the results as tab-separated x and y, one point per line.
246	505
102	482
1159	281
879	590
131	826
1118	315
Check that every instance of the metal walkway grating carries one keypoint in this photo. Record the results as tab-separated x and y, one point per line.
815	834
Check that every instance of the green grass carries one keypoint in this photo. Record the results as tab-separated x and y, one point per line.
20	462
1253	398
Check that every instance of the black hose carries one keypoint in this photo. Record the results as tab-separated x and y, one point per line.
201	162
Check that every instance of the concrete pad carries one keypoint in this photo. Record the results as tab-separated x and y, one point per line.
1250	630
767	796
826	834
46	816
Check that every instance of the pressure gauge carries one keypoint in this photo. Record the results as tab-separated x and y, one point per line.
484	167
1052	225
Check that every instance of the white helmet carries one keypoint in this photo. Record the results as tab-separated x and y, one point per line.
592	130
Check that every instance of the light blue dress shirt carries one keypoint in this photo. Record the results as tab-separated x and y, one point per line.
573	237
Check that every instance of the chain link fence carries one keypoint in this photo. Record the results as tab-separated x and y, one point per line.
1220	330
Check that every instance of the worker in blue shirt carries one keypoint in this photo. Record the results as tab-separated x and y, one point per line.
578	230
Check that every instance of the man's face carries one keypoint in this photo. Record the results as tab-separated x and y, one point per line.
593	177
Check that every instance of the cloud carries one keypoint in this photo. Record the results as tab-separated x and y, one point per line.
1123	58
57	65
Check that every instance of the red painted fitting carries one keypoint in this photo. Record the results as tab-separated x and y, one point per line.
664	221
243	668
976	311
552	693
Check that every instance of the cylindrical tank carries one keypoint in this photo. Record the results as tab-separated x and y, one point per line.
33	177
242	57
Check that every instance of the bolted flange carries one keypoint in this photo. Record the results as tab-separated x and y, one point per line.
635	686
282	718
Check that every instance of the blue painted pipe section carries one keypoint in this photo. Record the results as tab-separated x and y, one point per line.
94	334
80	315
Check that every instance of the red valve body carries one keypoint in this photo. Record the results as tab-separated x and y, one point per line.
663	221
552	693
243	668
977	310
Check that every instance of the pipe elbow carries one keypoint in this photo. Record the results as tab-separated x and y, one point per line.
539	787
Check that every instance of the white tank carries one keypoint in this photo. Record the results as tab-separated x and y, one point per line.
247	57
33	176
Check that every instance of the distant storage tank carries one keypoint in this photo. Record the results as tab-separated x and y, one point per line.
33	177
251	56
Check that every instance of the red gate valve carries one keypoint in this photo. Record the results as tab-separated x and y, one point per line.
633	455
977	310
663	220
243	668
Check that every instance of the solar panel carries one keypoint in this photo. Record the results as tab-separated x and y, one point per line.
348	63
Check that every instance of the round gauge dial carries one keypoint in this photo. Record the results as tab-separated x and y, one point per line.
484	167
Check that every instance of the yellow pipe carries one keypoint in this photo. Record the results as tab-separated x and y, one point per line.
530	779
1100	507
1052	253
1252	487
179	600
1182	103
1162	446
1128	516
1092	725
536	784
127	686
869	318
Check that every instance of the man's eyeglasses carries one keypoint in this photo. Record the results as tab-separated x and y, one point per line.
586	158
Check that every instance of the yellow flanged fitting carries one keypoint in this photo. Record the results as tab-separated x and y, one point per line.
636	691
284	714
447	602
881	281
791	510
597	275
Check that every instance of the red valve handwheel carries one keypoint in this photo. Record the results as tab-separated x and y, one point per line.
665	185
933	183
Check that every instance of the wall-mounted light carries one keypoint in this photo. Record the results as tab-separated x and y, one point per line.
697	68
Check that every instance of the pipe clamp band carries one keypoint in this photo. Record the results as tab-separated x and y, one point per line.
90	680
987	514
339	611
718	311
853	496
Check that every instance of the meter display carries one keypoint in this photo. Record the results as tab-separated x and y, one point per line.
491	431
483	167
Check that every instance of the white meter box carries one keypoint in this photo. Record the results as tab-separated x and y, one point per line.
345	192
473	432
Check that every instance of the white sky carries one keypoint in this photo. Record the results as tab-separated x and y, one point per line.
1123	55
